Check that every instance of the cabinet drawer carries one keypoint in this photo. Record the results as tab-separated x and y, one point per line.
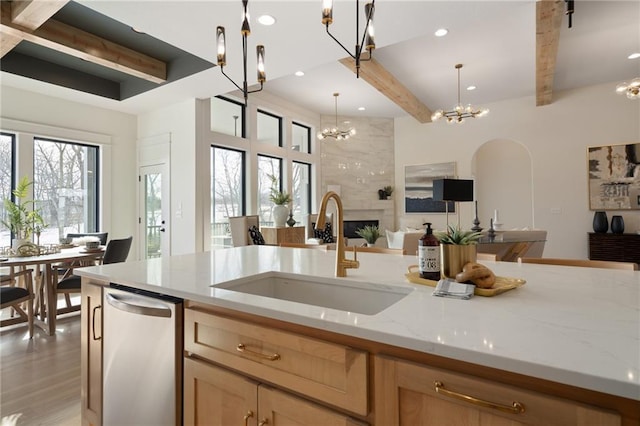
417	394
324	371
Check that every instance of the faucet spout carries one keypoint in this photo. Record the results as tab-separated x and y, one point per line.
342	263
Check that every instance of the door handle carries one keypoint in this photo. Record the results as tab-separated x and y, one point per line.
122	305
162	229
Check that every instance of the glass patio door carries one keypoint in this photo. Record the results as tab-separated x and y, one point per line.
155	226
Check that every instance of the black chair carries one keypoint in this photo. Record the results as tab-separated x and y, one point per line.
14	296
116	252
101	235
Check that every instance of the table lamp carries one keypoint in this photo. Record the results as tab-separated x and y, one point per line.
452	190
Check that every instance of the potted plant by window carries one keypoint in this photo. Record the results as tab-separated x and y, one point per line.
457	248
369	233
280	211
22	216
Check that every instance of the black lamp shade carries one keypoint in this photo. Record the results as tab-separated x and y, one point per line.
453	190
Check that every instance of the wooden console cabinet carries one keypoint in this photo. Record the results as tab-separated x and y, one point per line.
616	247
276	236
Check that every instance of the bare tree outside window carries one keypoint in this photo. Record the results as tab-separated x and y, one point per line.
301	185
227	192
6	176
269	171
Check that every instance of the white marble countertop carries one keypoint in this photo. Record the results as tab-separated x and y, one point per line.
578	326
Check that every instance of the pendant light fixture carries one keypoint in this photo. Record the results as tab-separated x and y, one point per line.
335	132
222	54
459	112
368	38
632	90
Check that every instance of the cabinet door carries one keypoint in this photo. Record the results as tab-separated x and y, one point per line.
407	394
216	397
91	353
277	408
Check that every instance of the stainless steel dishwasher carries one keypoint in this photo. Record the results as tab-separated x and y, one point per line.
142	358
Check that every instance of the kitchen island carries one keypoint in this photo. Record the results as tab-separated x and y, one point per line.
577	328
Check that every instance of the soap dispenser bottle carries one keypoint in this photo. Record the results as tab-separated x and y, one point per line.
429	255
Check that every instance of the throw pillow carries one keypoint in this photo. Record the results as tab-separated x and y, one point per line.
256	235
326	234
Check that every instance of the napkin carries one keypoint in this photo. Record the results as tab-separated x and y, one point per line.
453	289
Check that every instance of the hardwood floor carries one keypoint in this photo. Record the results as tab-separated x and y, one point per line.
40	378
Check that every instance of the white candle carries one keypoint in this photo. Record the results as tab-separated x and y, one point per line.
495	216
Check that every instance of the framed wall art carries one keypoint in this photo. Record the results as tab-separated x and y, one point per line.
418	187
614	177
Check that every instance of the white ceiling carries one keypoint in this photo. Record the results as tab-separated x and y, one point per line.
495	40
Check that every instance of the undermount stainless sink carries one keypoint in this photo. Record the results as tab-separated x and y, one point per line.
349	296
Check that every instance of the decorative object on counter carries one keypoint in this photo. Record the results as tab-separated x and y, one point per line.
476	222
368	42
256	236
370	234
497	225
222	54
429	255
600	222
617	224
325	234
280	210
452	190
459	112
291	221
457	248
382	195
385	192
491	233
22	218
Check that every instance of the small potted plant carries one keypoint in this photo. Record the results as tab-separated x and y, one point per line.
457	248
369	233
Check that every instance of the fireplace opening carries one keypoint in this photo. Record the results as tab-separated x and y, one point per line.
351	226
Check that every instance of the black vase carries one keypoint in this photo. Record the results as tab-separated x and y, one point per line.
617	224
600	222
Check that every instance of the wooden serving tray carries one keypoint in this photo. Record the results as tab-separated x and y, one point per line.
501	285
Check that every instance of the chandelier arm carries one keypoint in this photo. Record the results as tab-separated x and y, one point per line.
230	79
256	90
338	41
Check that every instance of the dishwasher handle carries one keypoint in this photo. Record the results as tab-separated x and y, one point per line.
126	306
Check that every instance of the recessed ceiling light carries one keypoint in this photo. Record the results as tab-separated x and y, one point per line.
634	56
441	32
361	109
471	87
299	73
266	20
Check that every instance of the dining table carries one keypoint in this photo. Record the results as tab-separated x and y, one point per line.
45	277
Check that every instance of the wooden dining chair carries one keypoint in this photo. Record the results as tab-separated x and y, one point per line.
302	245
117	251
604	264
102	236
13	295
492	257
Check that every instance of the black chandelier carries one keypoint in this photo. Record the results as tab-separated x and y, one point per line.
367	42
222	54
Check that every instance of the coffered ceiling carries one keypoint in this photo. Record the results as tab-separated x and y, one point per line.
495	40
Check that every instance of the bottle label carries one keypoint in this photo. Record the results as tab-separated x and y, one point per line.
429	258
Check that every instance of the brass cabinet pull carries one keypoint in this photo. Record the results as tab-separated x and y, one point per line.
263	422
93	322
515	408
247	417
242	348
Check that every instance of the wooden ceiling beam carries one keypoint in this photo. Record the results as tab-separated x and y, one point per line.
549	15
33	13
72	41
376	75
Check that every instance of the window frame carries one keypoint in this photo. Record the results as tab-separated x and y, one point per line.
280	126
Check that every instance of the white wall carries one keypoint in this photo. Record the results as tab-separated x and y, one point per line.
556	136
59	118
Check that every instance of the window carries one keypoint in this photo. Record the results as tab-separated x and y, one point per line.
65	188
269	128
6	179
300	137
227	117
227	192
301	184
269	177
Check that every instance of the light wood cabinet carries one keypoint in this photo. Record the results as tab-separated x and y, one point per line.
289	234
91	352
325	371
217	397
415	394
